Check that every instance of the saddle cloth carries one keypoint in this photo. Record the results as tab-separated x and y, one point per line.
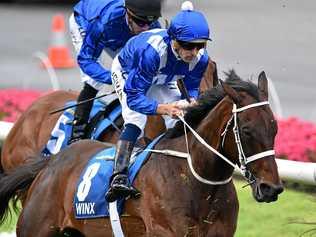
89	199
61	133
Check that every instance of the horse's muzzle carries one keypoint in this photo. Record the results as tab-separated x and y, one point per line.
266	192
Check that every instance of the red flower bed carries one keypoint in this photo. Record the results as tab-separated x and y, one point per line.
14	101
296	139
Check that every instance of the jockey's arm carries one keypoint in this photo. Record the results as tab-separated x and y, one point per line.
140	80
90	52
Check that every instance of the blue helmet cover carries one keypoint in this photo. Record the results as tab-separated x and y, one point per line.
189	26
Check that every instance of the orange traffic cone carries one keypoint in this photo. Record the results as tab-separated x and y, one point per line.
58	53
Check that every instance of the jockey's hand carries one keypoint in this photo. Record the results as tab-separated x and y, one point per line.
193	102
173	110
183	104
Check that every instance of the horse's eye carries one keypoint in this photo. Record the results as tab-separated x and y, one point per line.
246	131
274	125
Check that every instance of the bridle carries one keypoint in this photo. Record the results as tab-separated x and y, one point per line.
242	158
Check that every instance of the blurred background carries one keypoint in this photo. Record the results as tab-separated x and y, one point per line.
277	36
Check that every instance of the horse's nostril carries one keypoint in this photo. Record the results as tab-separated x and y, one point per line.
270	190
279	189
265	189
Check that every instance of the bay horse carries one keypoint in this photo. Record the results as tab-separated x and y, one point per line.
32	130
177	199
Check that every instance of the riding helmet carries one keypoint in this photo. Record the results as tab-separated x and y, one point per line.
189	26
147	10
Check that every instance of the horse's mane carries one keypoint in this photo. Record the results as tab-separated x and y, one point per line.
209	99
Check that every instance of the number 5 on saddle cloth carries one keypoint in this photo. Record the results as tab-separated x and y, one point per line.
104	114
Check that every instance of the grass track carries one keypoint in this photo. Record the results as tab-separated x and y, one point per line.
274	219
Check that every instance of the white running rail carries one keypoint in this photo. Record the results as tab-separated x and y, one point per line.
301	172
50	70
4	129
295	171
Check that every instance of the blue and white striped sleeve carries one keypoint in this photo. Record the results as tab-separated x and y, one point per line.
146	64
90	52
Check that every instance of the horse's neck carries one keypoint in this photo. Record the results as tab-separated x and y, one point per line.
177	187
180	191
204	161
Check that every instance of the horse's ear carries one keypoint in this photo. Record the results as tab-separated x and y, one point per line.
263	86
230	92
215	74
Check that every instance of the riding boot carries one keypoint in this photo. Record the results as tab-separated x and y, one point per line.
119	183
81	115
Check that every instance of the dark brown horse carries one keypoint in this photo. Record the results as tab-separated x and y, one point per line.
235	119
32	130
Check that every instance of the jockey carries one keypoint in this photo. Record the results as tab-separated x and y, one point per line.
105	25
145	75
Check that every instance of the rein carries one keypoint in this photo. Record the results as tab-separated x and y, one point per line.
242	158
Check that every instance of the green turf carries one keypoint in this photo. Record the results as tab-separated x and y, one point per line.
275	219
9	224
264	219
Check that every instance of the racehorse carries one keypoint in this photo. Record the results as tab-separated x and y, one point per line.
32	130
178	199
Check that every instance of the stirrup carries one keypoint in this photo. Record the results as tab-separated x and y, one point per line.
120	188
73	140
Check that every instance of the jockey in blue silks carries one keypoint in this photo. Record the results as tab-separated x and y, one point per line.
98	25
144	75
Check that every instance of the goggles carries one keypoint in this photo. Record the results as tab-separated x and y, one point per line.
141	21
191	45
